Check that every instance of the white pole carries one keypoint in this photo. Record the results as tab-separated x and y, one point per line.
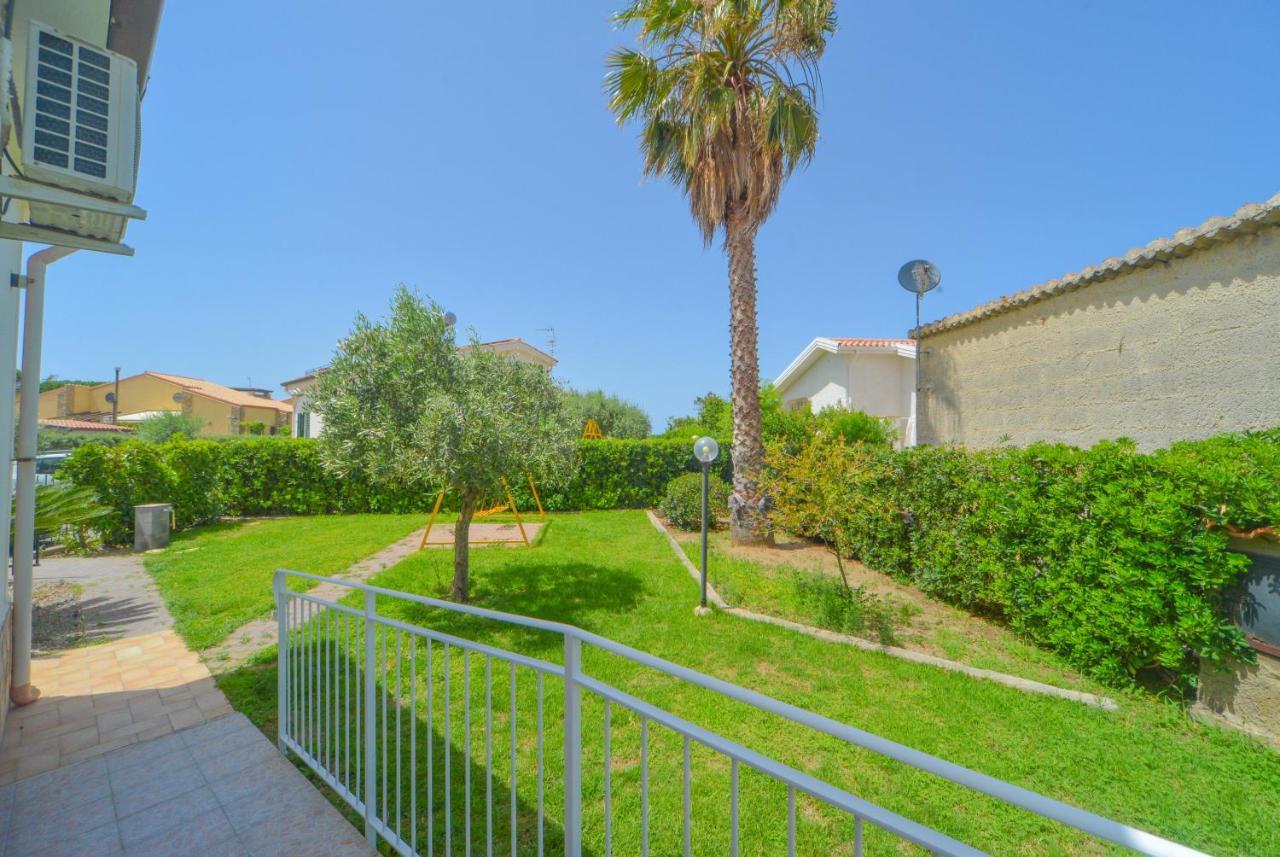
283	726
10	304
22	692
370	716
572	747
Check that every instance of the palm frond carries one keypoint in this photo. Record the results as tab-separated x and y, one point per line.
725	91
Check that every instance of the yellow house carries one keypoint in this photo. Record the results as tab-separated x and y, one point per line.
223	410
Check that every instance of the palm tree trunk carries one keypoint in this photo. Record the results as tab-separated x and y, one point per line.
461	546
748	518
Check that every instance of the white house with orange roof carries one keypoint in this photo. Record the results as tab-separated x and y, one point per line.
221	410
876	376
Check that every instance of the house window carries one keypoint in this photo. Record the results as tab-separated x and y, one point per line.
1257	602
304	425
798	405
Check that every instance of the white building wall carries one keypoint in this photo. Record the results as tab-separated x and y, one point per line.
880	384
825	384
314	422
877	385
302	405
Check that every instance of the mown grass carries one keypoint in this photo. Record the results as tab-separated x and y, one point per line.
771	588
1147	764
216	578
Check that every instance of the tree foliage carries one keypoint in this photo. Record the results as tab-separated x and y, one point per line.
403	406
793	428
53	382
616	417
725	95
162	427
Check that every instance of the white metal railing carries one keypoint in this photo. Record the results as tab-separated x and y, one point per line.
347	711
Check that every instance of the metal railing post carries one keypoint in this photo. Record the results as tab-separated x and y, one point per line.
283	726
572	746
370	713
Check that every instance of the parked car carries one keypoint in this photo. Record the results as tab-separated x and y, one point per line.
46	464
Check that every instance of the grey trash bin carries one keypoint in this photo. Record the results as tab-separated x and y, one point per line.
151	526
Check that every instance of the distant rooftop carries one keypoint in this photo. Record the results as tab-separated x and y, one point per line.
81	425
534	354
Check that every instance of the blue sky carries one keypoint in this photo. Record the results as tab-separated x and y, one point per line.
302	159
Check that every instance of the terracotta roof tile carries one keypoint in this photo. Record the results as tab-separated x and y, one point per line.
853	342
223	394
81	425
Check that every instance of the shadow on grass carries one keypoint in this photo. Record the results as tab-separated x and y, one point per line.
328	721
571	592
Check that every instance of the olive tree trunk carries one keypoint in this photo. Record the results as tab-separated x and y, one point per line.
461	547
748	516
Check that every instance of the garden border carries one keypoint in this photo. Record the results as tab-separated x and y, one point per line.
1023	684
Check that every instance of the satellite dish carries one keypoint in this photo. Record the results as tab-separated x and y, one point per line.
919	276
450	319
111	398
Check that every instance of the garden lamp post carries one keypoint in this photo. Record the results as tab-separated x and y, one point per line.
705	449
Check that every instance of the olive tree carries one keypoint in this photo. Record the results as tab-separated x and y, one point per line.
403	405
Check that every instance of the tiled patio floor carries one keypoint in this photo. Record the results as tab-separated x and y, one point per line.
100	698
219	788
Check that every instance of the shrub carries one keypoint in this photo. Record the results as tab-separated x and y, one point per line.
623	474
123	476
858	427
848	610
162	427
254	476
57	440
1102	555
682	504
615	416
193	487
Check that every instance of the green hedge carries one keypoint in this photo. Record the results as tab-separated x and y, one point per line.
259	476
1113	558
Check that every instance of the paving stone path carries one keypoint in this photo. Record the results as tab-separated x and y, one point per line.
219	788
260	633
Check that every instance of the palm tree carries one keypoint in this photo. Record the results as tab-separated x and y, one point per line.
724	91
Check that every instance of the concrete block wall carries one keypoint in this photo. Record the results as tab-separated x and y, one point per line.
1182	349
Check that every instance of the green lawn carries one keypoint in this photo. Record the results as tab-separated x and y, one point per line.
216	578
946	632
611	573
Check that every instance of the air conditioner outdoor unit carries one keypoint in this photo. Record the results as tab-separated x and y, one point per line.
79	116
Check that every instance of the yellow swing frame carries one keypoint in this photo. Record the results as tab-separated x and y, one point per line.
493	510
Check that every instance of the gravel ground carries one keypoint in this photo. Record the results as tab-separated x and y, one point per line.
57	617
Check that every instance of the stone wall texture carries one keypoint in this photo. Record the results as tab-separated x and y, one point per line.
1243	696
1183	348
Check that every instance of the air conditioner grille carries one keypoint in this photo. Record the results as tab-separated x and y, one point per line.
64	69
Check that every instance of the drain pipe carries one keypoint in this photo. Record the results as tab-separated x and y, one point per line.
22	692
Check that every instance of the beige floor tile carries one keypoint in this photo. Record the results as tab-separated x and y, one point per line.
29	766
98	749
78	740
110	721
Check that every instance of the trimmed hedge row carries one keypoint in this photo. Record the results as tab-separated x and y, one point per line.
206	479
1115	559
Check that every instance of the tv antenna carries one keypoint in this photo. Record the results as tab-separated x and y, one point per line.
551	340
